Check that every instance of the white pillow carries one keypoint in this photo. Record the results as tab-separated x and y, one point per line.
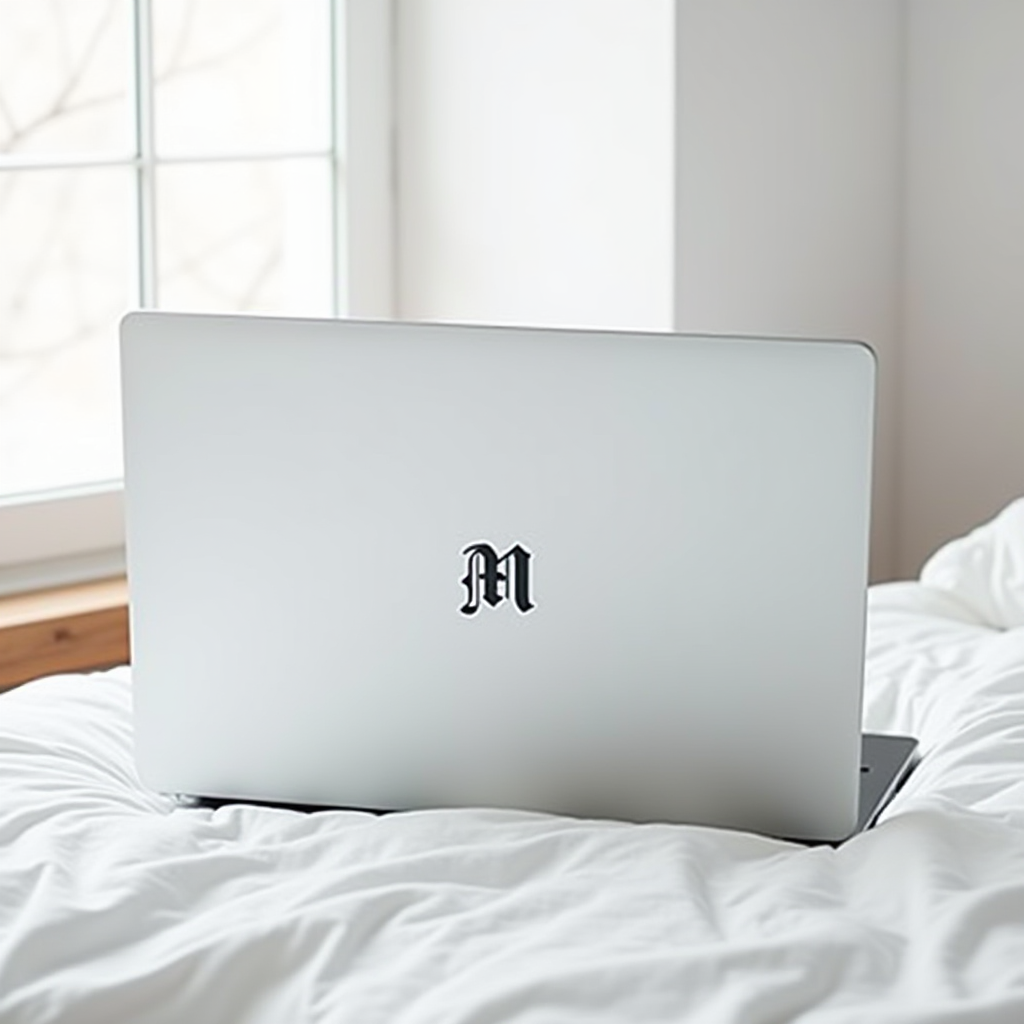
985	569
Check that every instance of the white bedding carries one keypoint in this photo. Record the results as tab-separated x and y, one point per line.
116	905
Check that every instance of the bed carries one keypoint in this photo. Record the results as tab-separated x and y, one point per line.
118	904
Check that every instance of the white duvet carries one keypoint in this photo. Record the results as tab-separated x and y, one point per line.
116	905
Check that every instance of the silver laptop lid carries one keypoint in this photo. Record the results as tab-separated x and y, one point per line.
398	565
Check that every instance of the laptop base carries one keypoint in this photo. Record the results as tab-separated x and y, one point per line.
886	763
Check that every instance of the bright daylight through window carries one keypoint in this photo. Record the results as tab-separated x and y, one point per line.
181	154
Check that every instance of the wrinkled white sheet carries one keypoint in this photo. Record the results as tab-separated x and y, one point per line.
116	905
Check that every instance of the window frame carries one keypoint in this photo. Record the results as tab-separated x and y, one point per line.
77	534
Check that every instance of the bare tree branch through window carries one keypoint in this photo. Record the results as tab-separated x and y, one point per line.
240	184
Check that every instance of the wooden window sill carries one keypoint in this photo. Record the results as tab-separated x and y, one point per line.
66	629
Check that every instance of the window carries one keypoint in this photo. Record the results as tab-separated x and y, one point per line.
178	154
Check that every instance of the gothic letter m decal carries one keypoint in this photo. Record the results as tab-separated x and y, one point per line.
492	577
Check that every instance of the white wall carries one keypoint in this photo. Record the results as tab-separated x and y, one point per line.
963	395
788	179
535	161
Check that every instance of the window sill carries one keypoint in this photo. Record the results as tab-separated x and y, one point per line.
64	629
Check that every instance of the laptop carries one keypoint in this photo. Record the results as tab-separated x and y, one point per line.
397	566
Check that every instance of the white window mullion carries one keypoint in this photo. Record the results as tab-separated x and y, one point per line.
365	157
339	269
145	170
